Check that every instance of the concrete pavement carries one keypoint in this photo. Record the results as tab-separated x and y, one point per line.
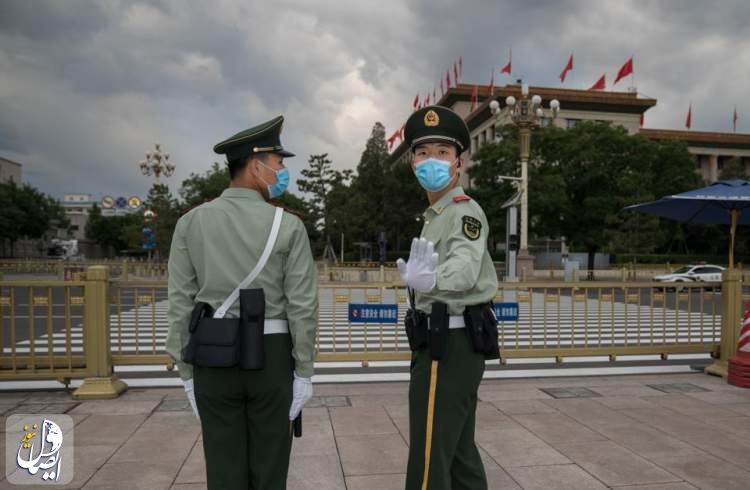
655	432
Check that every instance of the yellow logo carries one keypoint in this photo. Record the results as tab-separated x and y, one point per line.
431	118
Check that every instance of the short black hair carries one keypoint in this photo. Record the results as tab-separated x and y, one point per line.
238	165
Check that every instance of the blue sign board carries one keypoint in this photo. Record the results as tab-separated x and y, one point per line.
506	312
373	313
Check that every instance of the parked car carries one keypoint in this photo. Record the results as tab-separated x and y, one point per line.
693	273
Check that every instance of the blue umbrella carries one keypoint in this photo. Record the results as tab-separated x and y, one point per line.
721	203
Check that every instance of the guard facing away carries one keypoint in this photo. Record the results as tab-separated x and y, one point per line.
451	325
243	313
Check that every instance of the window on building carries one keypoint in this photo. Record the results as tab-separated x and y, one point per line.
73	227
474	144
482	138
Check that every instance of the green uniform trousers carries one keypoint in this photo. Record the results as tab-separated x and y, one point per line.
247	437
442	410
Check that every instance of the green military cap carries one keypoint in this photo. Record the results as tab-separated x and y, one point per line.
436	124
263	138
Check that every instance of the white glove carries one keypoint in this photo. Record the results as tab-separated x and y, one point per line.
190	392
420	272
302	390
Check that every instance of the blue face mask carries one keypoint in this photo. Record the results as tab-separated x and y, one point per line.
282	182
433	174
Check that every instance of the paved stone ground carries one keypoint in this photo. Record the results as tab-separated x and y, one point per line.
655	432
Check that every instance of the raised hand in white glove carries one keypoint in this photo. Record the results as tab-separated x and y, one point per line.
190	392
420	272
302	391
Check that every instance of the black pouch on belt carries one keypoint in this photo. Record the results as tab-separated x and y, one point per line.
217	342
200	311
481	327
415	323
438	324
252	318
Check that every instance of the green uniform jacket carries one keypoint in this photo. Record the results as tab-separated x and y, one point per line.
465	274
217	244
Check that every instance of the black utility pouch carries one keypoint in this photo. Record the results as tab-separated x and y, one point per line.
438	325
481	327
252	318
217	342
490	333
415	323
475	327
200	310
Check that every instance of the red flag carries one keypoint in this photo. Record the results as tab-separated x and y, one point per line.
392	139
689	118
442	90
427	100
734	120
567	68
461	68
474	97
600	84
455	72
625	70
491	88
509	66
448	80
641	120
416	101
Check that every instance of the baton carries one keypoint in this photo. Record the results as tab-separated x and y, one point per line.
298	425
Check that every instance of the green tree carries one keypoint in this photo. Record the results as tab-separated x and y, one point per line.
123	233
200	188
581	178
25	212
165	206
734	168
319	180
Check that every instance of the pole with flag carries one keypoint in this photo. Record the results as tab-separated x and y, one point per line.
461	68
491	88
689	118
474	97
625	70
442	90
734	120
568	67
434	93
447	80
508	68
455	72
600	84
415	103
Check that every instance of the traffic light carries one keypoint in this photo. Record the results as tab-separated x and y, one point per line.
513	243
149	240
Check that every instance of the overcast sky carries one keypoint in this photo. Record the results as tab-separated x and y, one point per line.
87	87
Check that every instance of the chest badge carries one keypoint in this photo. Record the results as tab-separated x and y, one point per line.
472	227
431	118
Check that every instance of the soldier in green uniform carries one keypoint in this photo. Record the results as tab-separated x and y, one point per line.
245	414
449	264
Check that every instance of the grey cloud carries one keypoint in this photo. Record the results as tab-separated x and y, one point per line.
86	87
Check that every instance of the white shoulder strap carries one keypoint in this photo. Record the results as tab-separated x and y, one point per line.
222	310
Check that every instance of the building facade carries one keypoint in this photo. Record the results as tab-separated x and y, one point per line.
10	170
712	150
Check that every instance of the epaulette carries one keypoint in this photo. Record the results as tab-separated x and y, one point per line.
461	198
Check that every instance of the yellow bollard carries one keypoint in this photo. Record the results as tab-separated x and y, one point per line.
100	381
731	321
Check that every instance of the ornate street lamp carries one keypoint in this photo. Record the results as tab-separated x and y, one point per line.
157	164
527	114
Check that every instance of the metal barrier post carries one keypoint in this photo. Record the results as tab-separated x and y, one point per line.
731	301
101	381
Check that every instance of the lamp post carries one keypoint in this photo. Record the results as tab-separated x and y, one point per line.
526	113
157	163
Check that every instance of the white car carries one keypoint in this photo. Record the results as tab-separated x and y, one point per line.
693	273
